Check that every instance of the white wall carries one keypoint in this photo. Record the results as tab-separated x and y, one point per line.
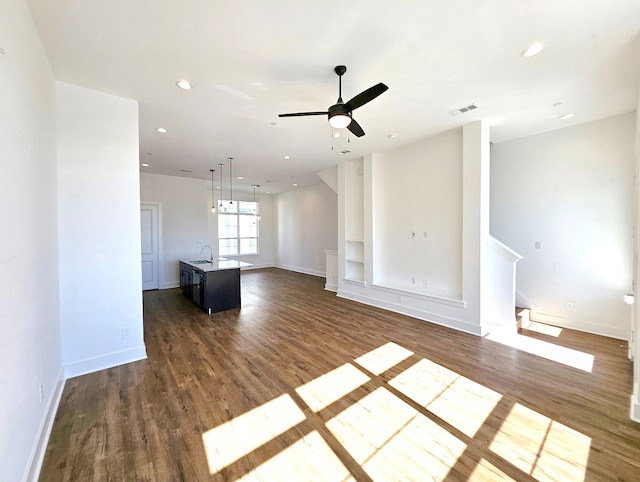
418	189
454	168
184	219
571	190
30	349
188	224
307	224
99	229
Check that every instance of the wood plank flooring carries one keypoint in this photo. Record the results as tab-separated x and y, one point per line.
300	385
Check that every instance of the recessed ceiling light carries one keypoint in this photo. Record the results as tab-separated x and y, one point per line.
392	136
533	49
557	104
241	177
144	164
295	184
185	170
184	84
268	192
286	157
336	134
162	130
273	123
217	187
566	116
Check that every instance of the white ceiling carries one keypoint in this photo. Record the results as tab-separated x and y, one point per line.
249	60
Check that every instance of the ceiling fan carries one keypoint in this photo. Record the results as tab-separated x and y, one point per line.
340	114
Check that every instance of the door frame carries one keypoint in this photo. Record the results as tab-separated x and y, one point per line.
160	253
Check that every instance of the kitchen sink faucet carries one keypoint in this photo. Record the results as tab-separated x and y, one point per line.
210	251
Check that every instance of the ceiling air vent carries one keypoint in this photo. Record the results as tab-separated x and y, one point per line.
464	109
346	151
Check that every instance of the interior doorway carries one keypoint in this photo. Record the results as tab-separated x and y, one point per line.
150	245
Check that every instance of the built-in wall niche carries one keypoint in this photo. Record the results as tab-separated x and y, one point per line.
354	222
354	251
354	271
354	261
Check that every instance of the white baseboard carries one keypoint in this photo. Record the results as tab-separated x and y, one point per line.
103	362
301	270
457	324
579	325
635	403
331	287
169	285
46	424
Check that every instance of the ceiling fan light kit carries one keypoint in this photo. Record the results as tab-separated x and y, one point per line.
340	114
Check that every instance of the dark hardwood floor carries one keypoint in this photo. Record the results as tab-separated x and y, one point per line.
301	385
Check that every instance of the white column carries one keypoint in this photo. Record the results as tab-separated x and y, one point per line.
99	229
475	220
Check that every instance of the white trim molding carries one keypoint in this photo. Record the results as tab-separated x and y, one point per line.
103	362
46	424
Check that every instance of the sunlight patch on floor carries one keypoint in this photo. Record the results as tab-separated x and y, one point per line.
243	434
393	441
541	447
390	439
550	351
457	400
332	386
310	458
542	328
382	358
485	471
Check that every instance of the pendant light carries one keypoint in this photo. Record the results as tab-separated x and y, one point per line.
230	182
221	166
213	197
256	202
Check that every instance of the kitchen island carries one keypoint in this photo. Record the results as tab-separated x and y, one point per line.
213	285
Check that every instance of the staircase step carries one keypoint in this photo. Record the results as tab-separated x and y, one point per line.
522	318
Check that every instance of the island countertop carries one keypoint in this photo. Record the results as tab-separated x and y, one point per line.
217	264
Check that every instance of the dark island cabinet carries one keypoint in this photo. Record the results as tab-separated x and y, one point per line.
213	291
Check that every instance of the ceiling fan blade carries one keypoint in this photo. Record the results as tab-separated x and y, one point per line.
366	96
300	114
355	128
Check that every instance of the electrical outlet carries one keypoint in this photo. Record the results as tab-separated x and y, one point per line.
413	281
425	283
569	305
126	333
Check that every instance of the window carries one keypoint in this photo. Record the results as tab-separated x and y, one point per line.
237	228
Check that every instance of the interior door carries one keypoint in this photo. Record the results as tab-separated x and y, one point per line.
150	255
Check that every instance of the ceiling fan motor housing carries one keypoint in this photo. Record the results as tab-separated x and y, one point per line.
341	110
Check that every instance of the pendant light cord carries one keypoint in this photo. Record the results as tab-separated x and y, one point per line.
221	166
230	181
